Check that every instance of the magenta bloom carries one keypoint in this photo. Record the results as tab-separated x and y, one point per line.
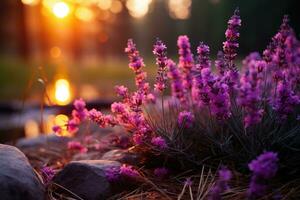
100	119
47	174
122	91
221	185
203	57
80	112
200	92
136	62
128	171
250	90
220	63
160	51
186	119
77	146
232	34
159	142
57	129
284	100
263	168
72	125
176	81
186	61
220	101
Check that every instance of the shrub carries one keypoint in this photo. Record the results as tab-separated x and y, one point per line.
223	114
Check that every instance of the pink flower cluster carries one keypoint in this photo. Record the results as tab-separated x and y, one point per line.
186	119
160	51
114	174
270	82
186	60
77	146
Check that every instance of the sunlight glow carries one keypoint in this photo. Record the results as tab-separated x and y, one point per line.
116	7
138	8
180	9
30	2
84	14
61	120
31	128
55	52
61	9
62	92
105	4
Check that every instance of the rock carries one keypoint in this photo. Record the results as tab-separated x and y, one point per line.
18	180
86	178
41	140
122	156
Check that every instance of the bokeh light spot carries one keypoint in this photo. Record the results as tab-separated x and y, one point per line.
55	52
62	92
61	9
30	2
84	14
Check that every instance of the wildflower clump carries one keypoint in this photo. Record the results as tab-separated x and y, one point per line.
215	112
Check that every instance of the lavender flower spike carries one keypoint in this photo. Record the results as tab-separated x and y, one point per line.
186	61
232	34
160	51
176	81
264	167
221	185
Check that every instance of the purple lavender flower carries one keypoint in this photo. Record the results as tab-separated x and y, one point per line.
220	63
122	91
47	174
77	146
203	86
159	142
57	129
230	75
220	101
160	51
136	62
221	185
186	119
263	168
284	99
100	119
128	171
203	57
161	172
73	125
203	76
186	61
250	90
176	84
232	34
80	112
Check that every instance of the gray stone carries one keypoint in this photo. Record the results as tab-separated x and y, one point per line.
122	156
18	180
86	178
41	141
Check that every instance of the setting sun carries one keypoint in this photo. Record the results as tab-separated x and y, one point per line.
61	9
62	92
